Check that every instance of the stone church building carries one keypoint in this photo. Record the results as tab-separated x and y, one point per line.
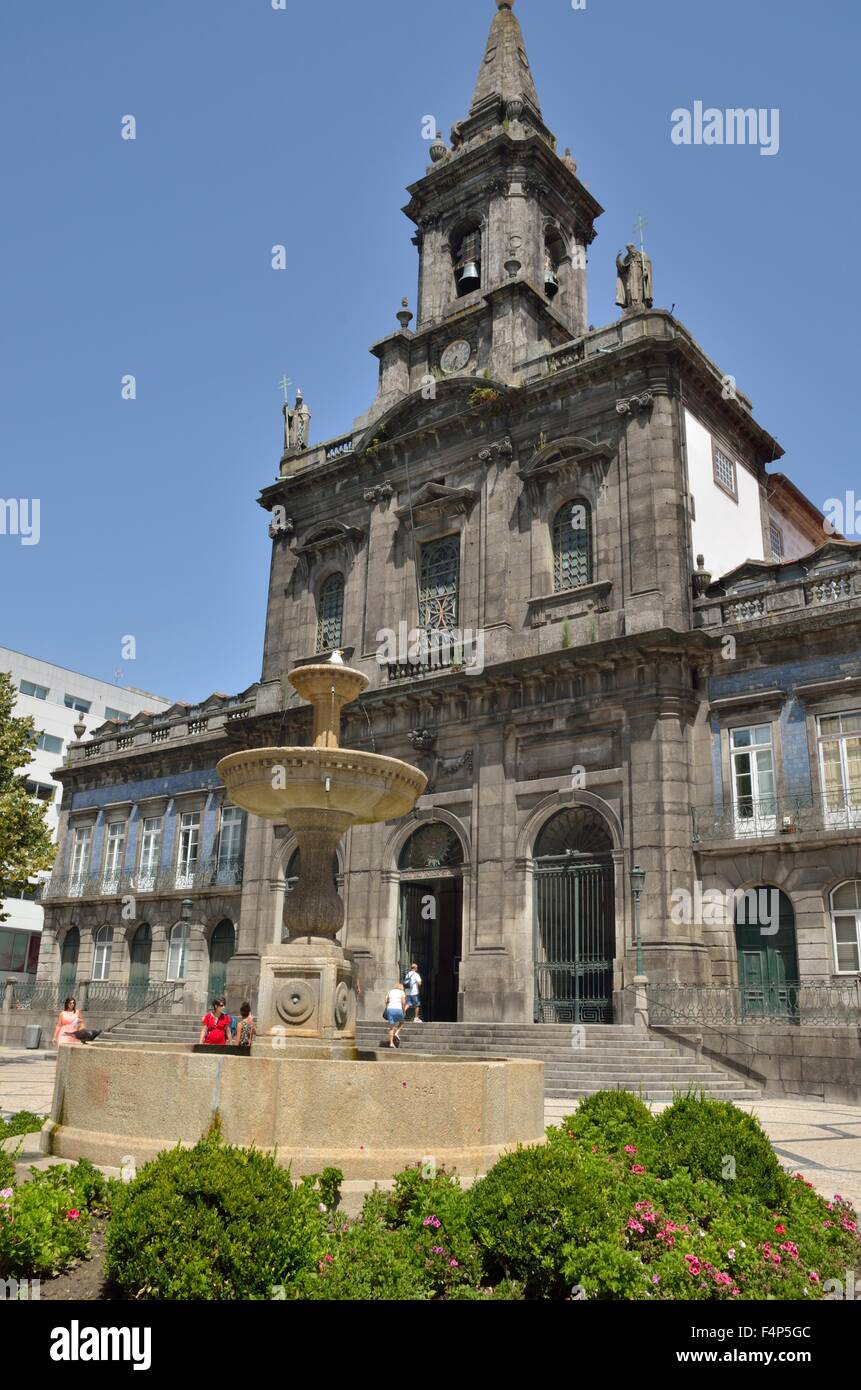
613	637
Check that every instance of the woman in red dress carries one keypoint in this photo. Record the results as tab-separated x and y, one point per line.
216	1025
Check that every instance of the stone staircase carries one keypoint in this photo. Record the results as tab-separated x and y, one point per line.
608	1057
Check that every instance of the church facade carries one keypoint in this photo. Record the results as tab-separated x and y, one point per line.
625	652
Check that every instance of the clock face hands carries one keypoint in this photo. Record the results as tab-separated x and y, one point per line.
456	356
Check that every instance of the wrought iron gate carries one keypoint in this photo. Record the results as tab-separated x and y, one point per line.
415	941
573	942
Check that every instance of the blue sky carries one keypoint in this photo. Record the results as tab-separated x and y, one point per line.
303	126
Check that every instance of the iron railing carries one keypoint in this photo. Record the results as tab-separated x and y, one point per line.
756	818
93	996
830	1005
209	873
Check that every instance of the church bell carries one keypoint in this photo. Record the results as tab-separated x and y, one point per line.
469	277
551	282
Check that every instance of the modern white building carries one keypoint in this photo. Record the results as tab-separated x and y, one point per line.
57	700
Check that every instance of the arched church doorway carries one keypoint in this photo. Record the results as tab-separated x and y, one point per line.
767	954
574	919
430	926
69	962
222	945
139	966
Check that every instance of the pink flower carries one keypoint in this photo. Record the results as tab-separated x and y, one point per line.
722	1279
734	1291
790	1249
637	1168
437	1250
813	1277
635	1226
642	1206
730	1254
780	1230
6	1193
330	1259
694	1265
656	1278
630	1148
432	1221
73	1214
453	1264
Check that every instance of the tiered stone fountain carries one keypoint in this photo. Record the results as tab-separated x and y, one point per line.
306	1002
304	1093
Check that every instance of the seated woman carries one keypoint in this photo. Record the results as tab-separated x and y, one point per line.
216	1026
68	1024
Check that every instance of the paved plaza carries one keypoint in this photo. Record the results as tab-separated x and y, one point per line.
822	1141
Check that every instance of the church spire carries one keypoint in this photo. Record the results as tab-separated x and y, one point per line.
505	72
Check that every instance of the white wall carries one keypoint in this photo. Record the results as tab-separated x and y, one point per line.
726	532
52	717
795	543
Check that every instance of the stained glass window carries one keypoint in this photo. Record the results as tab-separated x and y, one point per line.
438	584
572	546
330	613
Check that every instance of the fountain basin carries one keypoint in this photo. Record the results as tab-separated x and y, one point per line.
370	1118
280	784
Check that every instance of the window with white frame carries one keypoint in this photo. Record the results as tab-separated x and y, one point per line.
103	946
229	841
846	926
118	716
77	702
189	846
753	786
777	546
724	472
840	764
177	956
80	858
38	692
150	853
49	743
114	850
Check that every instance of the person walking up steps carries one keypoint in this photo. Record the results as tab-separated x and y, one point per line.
394	1014
413	983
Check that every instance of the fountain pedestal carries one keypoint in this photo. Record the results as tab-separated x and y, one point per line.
306	1005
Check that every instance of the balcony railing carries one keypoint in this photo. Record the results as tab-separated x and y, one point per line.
828	1005
198	876
758	818
94	996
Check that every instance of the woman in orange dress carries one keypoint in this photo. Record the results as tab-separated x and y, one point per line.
68	1024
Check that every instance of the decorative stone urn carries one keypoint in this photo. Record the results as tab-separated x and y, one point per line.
306	1002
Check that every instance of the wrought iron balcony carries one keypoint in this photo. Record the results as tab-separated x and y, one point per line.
774	817
94	996
200	876
829	1005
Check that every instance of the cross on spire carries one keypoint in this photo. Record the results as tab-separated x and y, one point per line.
285	383
640	226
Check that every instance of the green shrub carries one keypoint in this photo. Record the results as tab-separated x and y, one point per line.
434	1210
713	1139
23	1122
7	1169
612	1119
534	1201
213	1222
82	1179
367	1261
42	1230
326	1186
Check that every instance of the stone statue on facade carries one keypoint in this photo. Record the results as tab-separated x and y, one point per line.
633	279
297	425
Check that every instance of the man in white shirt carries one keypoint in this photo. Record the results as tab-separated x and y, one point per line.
413	983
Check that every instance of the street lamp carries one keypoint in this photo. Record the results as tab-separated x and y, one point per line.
187	905
638	878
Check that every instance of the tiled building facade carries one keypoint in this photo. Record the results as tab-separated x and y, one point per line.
508	545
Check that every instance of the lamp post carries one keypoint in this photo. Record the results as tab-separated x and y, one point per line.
641	1003
187	905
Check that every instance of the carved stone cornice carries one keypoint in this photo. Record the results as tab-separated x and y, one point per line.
435	501
384	492
503	450
567	459
634	404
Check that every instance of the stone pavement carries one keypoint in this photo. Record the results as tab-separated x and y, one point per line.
820	1140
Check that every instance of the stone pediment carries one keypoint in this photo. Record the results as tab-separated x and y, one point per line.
569	459
335	541
435	501
415	413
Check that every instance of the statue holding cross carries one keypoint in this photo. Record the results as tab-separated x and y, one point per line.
634	276
297	422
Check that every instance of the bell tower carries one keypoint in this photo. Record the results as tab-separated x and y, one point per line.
499	212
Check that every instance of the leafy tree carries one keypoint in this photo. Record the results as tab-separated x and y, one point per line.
25	838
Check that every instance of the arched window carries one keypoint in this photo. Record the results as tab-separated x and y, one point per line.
554	254
103	949
846	925
177	956
466	257
330	613
439	583
433	846
572	546
69	961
